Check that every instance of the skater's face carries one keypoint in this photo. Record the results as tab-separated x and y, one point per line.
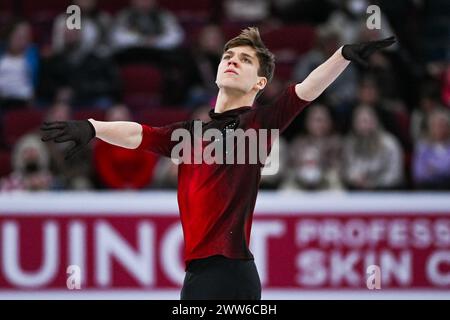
238	71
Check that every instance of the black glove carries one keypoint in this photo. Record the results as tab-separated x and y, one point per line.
80	132
361	51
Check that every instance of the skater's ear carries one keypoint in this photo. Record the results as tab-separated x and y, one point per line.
262	82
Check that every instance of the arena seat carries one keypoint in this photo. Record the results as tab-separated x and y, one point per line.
299	38
188	10
113	6
89	113
142	84
38	10
5	162
18	122
232	29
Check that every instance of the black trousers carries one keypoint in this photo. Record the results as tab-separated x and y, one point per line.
221	278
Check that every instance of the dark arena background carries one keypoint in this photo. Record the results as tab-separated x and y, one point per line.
360	205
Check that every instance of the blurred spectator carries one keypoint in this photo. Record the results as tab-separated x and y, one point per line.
278	156
166	174
408	28
431	164
350	19
404	85
75	173
146	33
79	77
94	31
145	24
343	90
121	168
429	101
436	31
19	63
390	68
446	86
30	162
372	158
315	156
386	67
388	113
247	10
303	11
205	56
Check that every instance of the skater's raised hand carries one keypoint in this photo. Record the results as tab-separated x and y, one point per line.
359	52
78	131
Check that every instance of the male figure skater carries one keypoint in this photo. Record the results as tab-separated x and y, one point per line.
216	201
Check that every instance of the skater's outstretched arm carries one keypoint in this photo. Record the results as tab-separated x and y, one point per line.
125	134
321	77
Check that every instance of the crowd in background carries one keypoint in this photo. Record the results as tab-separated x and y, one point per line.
386	127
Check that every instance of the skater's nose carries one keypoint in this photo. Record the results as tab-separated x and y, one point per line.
233	61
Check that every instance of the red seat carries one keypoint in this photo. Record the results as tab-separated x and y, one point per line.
88	113
163	116
43	9
141	79
198	9
17	123
142	84
5	163
231	29
297	38
6	5
192	31
41	14
113	6
6	9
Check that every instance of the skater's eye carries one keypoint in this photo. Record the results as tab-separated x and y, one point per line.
226	57
246	58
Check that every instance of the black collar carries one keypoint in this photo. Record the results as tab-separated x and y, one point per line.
228	114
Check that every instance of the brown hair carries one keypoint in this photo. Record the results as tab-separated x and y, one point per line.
250	37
